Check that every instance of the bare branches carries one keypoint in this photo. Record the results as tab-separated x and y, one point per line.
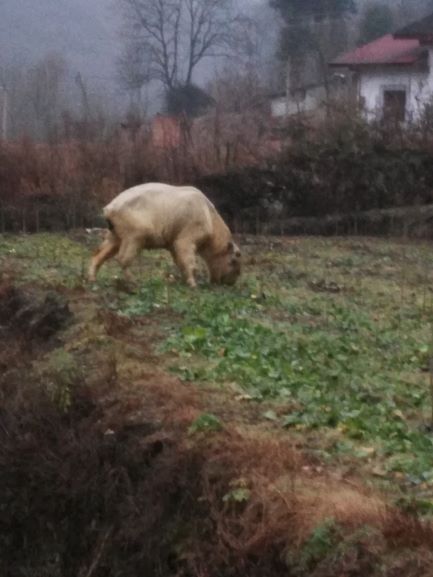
133	67
179	34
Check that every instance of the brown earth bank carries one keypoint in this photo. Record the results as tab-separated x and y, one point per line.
119	468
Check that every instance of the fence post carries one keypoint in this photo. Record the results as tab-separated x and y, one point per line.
405	228
74	217
2	219
37	220
235	226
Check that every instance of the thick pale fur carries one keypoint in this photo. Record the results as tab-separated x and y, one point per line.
177	218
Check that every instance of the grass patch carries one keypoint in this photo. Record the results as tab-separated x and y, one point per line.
328	340
347	356
335	333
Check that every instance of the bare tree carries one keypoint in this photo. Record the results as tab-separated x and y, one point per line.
173	36
133	72
238	90
45	92
4	112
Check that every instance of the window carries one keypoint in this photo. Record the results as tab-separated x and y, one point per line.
394	105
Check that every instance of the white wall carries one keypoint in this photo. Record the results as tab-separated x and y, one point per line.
279	106
314	97
418	86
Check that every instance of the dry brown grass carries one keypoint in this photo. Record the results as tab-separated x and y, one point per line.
65	183
165	501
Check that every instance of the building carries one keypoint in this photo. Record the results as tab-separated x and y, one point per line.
301	100
393	75
166	132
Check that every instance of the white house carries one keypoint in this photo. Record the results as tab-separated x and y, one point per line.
301	100
393	75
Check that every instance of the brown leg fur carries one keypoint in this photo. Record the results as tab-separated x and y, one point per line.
127	252
184	257
107	250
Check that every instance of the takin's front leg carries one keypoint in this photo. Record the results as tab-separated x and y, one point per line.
184	255
107	250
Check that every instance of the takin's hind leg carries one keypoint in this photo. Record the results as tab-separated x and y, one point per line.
184	255
107	250
127	252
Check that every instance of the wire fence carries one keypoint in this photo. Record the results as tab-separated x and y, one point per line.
410	222
54	217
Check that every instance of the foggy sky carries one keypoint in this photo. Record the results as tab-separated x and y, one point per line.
86	33
82	31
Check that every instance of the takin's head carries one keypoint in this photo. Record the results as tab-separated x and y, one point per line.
225	267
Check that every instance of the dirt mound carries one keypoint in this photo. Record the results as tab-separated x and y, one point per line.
83	495
30	316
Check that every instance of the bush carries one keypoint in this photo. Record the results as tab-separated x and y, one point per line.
343	168
73	498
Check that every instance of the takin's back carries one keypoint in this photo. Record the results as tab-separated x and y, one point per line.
160	211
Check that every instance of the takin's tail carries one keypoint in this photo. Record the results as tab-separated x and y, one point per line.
108	220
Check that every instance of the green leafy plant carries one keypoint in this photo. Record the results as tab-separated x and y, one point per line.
321	543
58	374
205	423
346	357
239	493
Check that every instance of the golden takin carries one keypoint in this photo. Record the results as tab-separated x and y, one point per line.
176	218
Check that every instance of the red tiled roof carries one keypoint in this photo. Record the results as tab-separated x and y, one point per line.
385	50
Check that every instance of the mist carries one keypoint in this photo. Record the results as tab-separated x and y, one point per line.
89	39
